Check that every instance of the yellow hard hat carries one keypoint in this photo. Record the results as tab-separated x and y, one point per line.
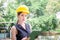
22	8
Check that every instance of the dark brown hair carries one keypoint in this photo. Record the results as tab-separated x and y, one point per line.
19	13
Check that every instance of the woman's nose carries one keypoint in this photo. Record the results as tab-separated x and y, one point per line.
24	17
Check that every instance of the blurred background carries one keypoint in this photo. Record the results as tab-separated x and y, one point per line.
44	18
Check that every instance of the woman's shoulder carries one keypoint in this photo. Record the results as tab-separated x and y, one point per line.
27	24
13	27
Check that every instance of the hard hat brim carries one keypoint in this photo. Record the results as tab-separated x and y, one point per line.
26	12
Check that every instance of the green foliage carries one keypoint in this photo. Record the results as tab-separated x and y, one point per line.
44	23
2	20
38	7
52	6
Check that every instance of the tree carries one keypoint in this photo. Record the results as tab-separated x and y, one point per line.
53	6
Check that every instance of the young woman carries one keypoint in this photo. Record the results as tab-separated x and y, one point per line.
21	30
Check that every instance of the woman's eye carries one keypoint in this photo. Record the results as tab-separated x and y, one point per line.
21	15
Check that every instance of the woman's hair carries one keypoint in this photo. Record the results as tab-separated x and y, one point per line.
19	13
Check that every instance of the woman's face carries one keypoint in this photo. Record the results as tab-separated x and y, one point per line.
22	17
